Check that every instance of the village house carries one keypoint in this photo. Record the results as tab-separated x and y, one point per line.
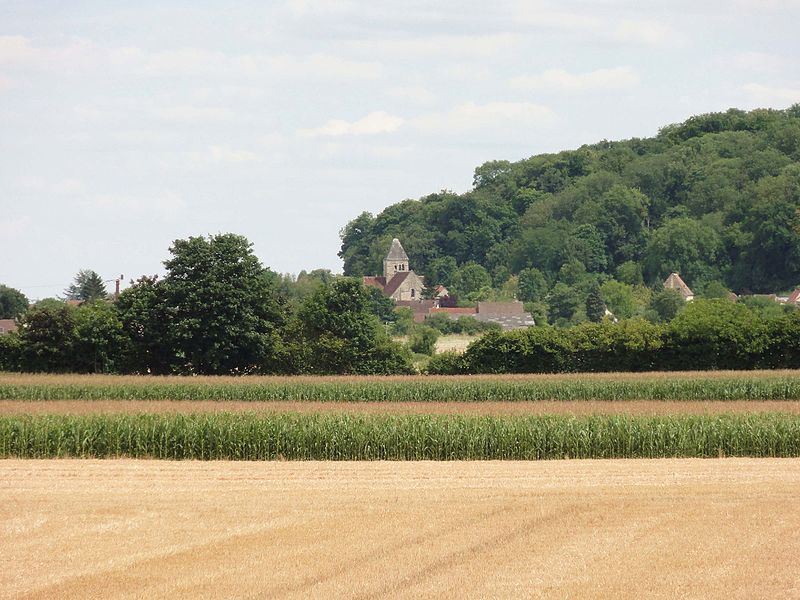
398	282
405	287
7	326
674	282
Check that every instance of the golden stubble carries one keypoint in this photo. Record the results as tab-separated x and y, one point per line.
721	528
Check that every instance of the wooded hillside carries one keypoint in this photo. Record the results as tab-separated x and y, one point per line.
715	198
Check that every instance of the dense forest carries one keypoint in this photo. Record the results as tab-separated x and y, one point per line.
715	198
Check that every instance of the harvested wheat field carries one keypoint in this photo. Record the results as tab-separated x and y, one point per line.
543	407
717	528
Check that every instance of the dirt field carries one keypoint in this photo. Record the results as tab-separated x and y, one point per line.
562	529
578	407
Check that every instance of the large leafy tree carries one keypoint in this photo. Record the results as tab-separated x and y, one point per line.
224	315
12	302
87	287
47	337
338	332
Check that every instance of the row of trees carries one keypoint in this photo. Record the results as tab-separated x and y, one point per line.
715	198
216	311
708	334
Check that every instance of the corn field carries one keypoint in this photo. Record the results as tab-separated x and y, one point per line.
228	436
412	389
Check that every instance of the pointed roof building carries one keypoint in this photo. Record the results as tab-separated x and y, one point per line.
674	282
396	251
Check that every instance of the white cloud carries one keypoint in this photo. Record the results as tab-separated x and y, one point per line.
226	154
647	33
15	226
374	123
5	83
61	187
559	79
302	8
322	66
120	110
160	204
479	46
471	116
759	62
610	28
769	96
412	93
15	49
18	51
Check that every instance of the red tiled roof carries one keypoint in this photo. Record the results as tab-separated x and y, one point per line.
795	296
454	311
501	308
378	282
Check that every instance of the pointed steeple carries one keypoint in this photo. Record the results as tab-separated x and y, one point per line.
396	252
396	261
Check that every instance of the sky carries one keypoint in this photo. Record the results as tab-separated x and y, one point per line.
127	125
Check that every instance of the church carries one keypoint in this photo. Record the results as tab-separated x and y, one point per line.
398	282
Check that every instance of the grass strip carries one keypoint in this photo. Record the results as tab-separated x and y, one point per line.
295	436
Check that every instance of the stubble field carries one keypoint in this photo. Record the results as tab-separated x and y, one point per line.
660	528
554	529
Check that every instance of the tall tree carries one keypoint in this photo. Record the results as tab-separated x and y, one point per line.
225	316
595	307
87	287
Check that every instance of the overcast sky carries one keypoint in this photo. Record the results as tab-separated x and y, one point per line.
126	125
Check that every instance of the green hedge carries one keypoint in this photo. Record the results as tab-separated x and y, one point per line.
707	335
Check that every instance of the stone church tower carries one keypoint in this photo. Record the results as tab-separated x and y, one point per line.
396	261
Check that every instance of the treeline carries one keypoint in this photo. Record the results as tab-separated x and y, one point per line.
707	335
715	198
217	311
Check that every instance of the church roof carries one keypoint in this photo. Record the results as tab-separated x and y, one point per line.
395	282
396	252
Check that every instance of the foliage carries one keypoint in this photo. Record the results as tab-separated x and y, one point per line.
86	287
707	335
47	337
422	340
225	315
595	306
462	325
563	302
469	280
666	304
12	302
715	198
338	333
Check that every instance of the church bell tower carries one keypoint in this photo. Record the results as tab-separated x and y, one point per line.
396	261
